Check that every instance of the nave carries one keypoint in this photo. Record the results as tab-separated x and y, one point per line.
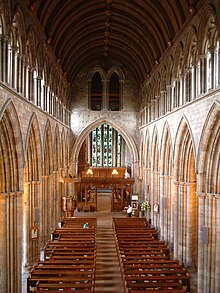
111	230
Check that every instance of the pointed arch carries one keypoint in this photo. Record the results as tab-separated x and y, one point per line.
185	201
166	190
47	149
56	157
12	153
11	192
166	151
208	161
33	141
32	180
154	188
83	135
209	153
155	151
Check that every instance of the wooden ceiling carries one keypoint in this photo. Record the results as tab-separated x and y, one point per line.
130	33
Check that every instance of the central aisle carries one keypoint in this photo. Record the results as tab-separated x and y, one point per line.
108	276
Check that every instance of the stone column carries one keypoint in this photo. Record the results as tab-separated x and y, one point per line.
176	219
5	44
38	92
213	71
12	77
1	59
162	196
209	272
171	222
19	223
25	79
26	224
201	217
149	112
216	274
191	227
19	82
194	81
3	242
43	210
182	222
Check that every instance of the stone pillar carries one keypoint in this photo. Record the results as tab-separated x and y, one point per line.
25	79
3	243
1	59
12	77
194	81
18	246
191	227
182	222
38	91
213	71
149	112
209	272
5	43
26	224
171	222
43	210
162	196
20	72
176	219
153	110
216	273
201	217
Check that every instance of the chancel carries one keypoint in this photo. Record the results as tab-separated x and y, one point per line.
107	105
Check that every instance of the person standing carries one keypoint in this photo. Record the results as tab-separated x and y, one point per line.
129	211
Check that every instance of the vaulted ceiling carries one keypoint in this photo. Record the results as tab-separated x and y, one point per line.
131	33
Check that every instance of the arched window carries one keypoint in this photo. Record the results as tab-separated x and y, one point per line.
114	93
96	93
106	147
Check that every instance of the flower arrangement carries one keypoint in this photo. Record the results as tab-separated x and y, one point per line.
145	206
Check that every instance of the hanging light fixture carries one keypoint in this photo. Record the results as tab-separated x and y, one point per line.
89	172
114	172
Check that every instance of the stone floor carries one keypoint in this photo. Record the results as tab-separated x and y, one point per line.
108	276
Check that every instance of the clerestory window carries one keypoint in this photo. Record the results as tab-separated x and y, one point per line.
96	93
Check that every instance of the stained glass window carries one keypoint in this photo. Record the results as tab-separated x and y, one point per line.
106	147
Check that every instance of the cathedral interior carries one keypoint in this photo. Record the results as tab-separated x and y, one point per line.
107	103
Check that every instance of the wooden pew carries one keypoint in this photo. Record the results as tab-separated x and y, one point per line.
69	260
144	260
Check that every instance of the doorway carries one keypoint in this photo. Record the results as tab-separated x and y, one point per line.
104	200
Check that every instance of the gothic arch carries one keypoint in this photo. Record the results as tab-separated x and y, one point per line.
207	23
154	187
94	70
33	141
116	70
31	198
56	150
47	182
208	153
20	25
11	149
83	135
166	190
47	149
209	193
11	191
166	151
185	201
155	151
